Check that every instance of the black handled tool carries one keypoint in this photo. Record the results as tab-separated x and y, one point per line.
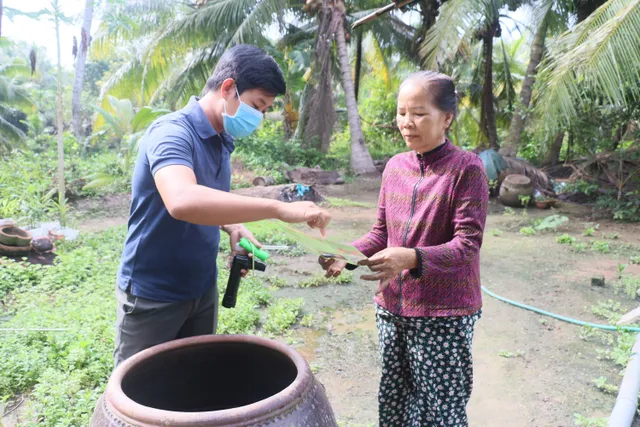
349	266
240	262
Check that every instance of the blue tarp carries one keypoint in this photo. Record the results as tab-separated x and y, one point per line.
493	163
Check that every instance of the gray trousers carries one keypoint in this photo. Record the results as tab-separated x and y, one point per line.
142	323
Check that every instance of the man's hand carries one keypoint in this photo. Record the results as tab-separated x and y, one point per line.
332	266
389	263
308	212
237	232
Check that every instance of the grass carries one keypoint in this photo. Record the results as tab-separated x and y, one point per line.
628	284
282	315
335	202
609	310
582	421
527	231
602	385
601	246
565	239
509	354
320	280
62	373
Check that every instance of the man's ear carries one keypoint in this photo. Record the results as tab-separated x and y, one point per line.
228	89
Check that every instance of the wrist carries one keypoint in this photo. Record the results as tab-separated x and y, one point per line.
228	228
412	259
275	209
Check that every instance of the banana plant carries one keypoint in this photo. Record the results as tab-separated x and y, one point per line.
128	127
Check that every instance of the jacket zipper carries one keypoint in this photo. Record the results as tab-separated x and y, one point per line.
406	233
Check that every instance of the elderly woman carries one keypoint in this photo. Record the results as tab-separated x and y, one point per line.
424	251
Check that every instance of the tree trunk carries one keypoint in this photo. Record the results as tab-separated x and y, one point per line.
587	7
488	113
429	10
61	189
317	112
81	59
358	63
553	154
288	110
361	161
518	122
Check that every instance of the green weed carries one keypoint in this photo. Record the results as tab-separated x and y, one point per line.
307	320
282	315
527	231
579	247
602	385
565	239
335	202
628	284
609	310
320	280
582	421
510	355
601	246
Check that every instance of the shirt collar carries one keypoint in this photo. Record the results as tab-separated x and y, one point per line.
199	119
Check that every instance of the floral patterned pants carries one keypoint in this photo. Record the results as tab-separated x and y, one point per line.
427	369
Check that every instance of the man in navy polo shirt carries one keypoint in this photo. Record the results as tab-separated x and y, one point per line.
180	200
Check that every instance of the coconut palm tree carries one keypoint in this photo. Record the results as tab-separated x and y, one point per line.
551	17
193	36
81	55
459	24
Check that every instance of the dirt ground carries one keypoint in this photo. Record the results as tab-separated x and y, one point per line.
550	380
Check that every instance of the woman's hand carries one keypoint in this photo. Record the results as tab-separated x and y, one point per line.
389	263
332	266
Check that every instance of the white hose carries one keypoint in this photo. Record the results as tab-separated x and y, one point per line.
627	402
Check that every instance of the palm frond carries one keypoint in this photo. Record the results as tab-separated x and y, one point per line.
195	38
457	19
605	63
296	34
375	59
10	132
132	20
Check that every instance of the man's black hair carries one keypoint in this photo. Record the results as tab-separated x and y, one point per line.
251	68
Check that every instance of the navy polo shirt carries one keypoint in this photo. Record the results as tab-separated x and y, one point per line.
165	259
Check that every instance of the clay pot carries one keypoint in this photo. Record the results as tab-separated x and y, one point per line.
14	251
56	235
264	181
14	236
545	204
513	187
214	380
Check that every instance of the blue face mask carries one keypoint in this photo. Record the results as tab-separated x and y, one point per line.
244	122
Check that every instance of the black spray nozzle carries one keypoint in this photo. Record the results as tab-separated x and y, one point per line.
240	262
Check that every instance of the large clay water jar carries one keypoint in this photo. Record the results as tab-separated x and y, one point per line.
514	186
214	380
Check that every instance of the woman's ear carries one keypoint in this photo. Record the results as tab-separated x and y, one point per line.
448	120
